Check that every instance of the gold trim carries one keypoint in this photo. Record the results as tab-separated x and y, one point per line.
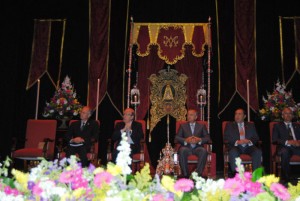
218	41
281	49
32	53
47	58
125	49
108	43
61	53
89	54
296	49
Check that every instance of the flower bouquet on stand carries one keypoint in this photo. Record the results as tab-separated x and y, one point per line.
276	102
64	104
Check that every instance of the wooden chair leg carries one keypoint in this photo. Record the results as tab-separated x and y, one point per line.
226	170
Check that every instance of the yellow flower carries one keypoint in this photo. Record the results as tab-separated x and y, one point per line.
114	169
168	183
98	170
78	193
21	178
262	111
268	180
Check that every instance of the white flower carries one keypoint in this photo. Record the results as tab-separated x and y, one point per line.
74	95
51	111
68	108
5	197
60	113
263	117
65	101
75	113
123	158
272	108
57	102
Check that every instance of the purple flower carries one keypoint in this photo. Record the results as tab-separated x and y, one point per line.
91	168
30	185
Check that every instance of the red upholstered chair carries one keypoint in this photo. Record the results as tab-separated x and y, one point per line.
210	167
138	160
246	159
275	165
92	155
40	135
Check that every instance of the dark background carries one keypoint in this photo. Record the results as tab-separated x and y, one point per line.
16	34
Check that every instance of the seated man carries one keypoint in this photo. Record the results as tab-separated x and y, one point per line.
192	136
287	137
81	134
242	137
133	130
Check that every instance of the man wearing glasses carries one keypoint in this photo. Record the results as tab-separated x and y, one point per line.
133	131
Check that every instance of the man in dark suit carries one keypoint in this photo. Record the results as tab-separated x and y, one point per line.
242	137
81	134
133	131
192	136
287	137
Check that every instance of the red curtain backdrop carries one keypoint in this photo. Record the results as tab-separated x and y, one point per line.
40	50
99	19
192	67
245	50
147	65
238	64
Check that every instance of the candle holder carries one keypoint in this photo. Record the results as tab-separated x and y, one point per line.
168	163
135	97
201	101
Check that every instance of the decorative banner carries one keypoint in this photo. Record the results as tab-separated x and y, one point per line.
245	58
47	49
290	47
170	39
98	50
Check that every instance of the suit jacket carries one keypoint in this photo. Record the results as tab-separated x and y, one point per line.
280	133
136	135
185	132
90	132
232	134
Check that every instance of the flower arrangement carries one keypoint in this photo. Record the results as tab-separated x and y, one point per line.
64	102
276	102
66	180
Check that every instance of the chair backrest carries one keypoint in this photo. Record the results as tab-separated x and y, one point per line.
96	144
178	123
140	121
272	146
38	130
224	123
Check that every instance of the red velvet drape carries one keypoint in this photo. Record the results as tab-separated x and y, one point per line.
40	48
192	67
98	50
147	65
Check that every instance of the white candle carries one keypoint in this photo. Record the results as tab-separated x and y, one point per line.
248	101
135	98
37	100
175	158
97	102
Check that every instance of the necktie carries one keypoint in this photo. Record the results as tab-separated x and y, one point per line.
290	132
82	126
242	133
192	128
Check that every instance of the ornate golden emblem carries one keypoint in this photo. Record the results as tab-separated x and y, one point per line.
168	96
170	41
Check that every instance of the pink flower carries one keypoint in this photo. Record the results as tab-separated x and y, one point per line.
66	177
10	191
158	197
102	177
184	185
253	187
79	183
234	186
280	191
37	190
